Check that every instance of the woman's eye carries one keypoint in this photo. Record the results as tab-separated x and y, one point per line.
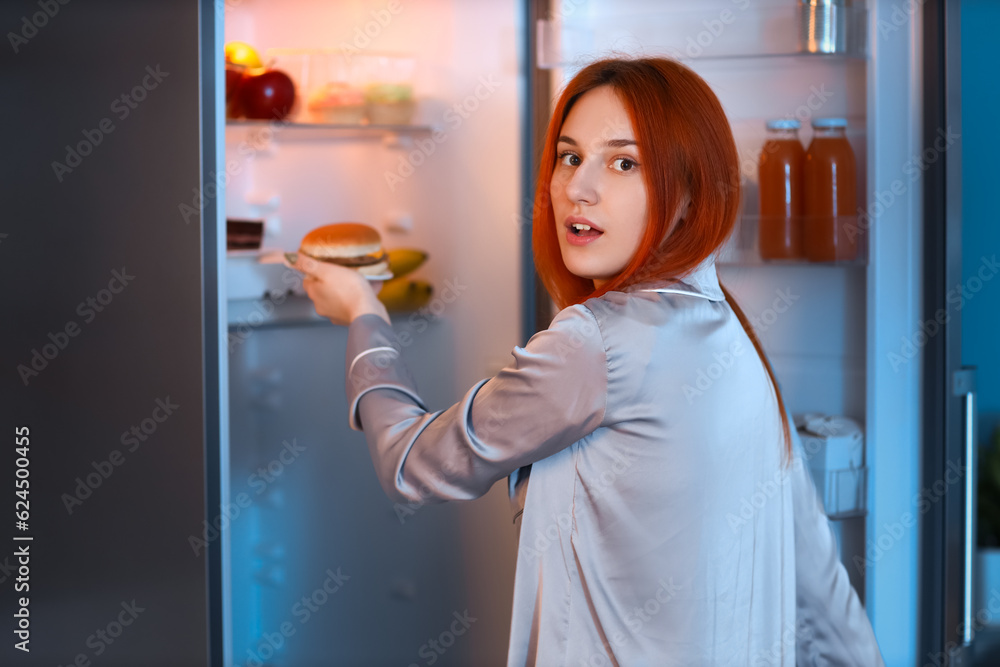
624	164
569	159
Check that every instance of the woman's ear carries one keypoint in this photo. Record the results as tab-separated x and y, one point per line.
685	206
682	211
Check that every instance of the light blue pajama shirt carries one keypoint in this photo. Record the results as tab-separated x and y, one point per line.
641	437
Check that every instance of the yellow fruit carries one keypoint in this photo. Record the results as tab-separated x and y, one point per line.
241	53
405	260
405	294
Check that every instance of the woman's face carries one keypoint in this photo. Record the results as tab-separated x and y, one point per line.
598	182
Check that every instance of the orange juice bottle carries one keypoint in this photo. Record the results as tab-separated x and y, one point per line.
829	226
780	180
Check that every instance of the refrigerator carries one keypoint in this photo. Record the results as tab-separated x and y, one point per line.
252	525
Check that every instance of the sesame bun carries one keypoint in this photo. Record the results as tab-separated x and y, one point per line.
350	244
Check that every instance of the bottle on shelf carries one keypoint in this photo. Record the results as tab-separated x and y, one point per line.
829	227
780	180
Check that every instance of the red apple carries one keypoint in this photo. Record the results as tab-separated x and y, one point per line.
269	94
234	81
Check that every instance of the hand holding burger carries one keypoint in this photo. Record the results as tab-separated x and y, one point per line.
334	260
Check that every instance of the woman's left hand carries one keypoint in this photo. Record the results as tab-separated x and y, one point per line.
337	292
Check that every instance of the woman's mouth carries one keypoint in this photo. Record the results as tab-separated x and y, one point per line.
579	232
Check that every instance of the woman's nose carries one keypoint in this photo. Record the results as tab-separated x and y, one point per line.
582	187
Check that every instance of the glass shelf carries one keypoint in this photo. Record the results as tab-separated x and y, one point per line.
743	249
753	259
280	130
693	34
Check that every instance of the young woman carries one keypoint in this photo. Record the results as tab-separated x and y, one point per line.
666	518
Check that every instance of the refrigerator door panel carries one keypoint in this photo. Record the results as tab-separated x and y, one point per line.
948	598
895	209
107	104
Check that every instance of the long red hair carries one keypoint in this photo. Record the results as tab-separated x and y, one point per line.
684	138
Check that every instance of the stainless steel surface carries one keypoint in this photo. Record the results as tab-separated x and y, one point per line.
965	386
945	534
830	26
147	339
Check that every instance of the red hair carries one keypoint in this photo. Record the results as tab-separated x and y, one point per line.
687	147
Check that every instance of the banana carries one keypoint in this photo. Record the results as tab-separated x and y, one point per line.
405	294
405	260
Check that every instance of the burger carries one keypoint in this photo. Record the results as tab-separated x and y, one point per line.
351	244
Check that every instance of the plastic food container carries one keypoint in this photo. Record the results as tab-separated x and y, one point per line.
331	84
834	452
349	89
389	95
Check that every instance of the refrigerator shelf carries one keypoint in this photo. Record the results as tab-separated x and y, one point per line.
707	32
264	131
755	260
743	249
291	308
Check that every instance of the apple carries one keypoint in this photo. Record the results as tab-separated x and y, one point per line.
234	82
266	95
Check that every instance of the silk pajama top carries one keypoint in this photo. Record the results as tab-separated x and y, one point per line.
643	449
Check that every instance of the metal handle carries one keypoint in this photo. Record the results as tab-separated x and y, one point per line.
965	385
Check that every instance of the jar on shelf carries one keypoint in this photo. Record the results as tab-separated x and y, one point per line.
830	217
779	174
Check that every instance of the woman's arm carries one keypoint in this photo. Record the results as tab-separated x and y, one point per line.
553	394
832	627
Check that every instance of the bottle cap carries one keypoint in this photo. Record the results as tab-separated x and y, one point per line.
829	122
783	124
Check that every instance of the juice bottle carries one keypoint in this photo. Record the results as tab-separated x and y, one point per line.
829	225
780	179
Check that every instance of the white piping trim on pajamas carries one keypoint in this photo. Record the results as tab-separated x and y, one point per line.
677	291
369	351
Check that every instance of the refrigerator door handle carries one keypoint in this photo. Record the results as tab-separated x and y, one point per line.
965	386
